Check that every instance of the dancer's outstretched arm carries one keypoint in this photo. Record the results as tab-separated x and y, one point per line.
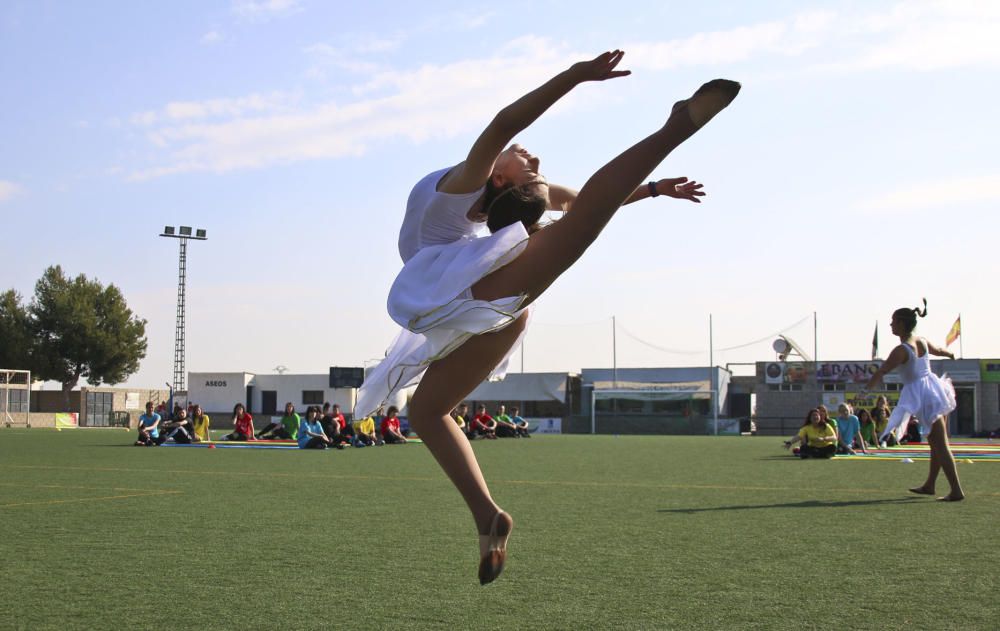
516	117
562	197
938	351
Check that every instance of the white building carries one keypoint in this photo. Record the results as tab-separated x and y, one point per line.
218	392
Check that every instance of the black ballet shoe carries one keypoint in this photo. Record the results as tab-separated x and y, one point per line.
493	548
707	101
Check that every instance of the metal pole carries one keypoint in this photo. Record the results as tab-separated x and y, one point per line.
819	394
522	355
614	352
711	375
961	348
179	334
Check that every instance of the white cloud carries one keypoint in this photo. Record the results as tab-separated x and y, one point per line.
211	37
9	190
263	10
936	194
442	100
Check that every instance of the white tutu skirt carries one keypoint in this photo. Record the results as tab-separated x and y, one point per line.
925	399
431	299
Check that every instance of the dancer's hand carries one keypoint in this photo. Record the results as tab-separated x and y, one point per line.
680	188
599	68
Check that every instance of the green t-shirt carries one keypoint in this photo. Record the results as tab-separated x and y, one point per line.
291	424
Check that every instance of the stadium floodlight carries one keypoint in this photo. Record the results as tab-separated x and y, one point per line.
179	331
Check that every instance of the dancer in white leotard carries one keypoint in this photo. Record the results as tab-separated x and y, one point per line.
463	301
925	396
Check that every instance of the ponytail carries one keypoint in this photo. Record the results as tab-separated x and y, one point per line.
922	314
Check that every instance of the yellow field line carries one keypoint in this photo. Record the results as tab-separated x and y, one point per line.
84	488
557	483
89	499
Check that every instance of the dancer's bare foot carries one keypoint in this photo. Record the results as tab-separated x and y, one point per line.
493	548
922	490
707	101
952	497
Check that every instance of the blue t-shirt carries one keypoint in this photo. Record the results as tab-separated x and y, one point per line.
308	426
517	420
848	427
149	421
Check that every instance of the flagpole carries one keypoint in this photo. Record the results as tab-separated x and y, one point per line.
961	349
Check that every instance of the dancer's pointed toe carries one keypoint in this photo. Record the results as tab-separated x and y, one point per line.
708	100
493	548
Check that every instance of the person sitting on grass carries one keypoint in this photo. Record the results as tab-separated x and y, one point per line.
868	428
391	433
832	422
519	423
284	429
818	438
881	413
149	427
310	434
504	427
242	425
364	432
482	425
458	415
346	430
200	426
179	429
849	431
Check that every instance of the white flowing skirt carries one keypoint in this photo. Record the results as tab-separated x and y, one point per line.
925	399
431	299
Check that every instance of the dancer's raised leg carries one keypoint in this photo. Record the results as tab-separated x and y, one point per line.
938	439
441	388
553	250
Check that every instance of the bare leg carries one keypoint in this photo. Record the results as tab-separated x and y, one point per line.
938	439
927	488
442	387
551	251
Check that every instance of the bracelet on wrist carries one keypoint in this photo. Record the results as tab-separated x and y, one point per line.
652	189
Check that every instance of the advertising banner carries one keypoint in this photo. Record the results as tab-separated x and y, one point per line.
990	370
866	400
544	425
67	421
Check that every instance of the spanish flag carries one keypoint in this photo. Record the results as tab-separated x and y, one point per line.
956	330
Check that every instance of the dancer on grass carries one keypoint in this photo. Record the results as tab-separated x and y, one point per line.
925	396
463	301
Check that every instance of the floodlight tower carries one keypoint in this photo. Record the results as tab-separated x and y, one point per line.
184	235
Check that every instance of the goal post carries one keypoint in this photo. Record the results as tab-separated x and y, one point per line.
15	397
652	411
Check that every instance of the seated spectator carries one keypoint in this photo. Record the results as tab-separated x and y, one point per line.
818	438
829	420
286	429
330	425
881	413
849	432
149	427
346	429
364	433
519	423
912	434
482	425
391	433
242	425
179	428
504	427
868	433
200	425
458	415
310	434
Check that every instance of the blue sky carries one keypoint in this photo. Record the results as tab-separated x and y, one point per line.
856	172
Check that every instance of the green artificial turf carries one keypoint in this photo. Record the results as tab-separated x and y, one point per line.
623	532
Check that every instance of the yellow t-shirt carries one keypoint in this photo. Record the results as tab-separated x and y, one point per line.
200	426
364	426
810	435
460	420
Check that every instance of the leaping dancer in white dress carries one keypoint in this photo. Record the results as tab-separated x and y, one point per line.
463	301
925	396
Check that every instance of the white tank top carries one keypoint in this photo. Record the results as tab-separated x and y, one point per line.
916	368
435	218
